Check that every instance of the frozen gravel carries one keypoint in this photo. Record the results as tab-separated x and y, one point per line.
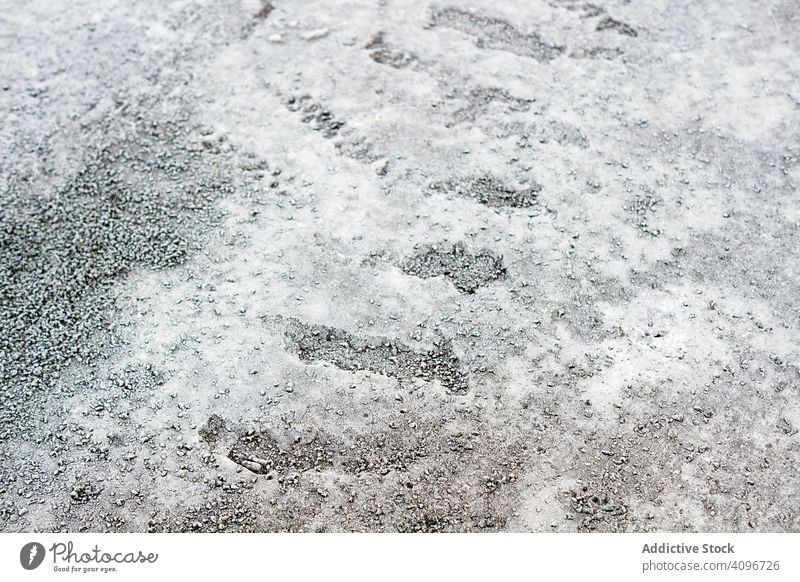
399	266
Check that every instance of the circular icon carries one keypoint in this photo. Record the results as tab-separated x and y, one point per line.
31	555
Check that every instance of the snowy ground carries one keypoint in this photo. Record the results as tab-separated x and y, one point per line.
399	265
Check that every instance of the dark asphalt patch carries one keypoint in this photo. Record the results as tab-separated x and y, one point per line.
496	34
490	191
375	354
467	271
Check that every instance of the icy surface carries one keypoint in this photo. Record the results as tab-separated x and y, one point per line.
399	266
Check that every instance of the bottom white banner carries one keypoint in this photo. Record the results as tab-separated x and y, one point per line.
394	556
